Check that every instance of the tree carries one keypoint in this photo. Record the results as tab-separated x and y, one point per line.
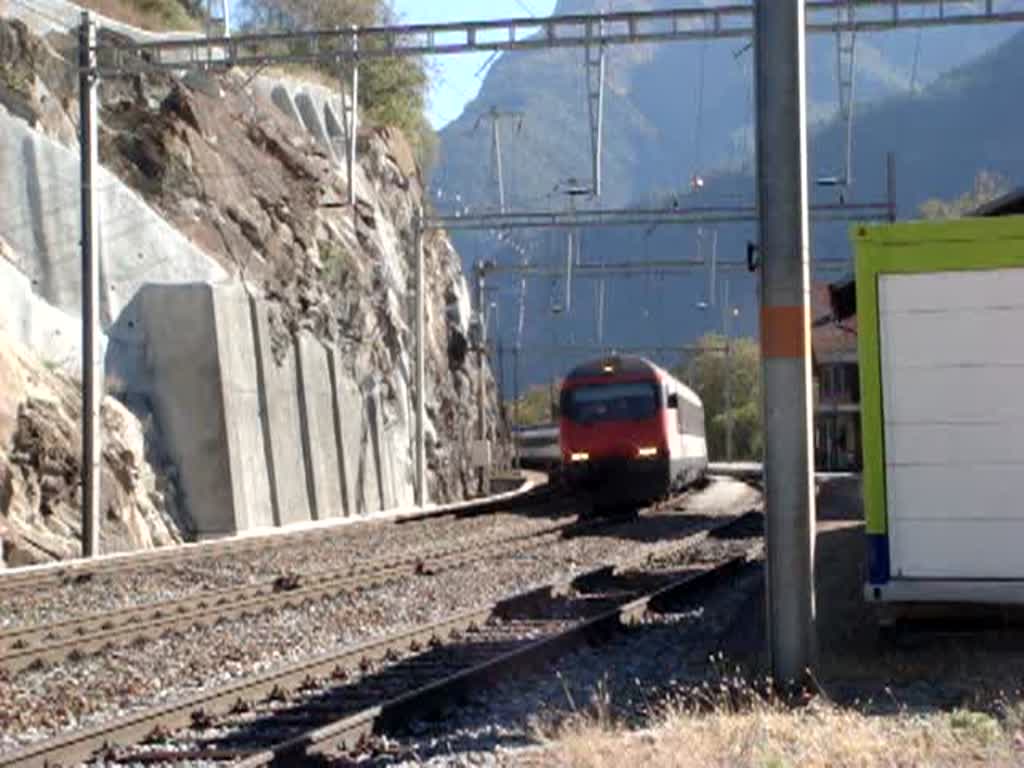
535	405
987	187
392	91
706	374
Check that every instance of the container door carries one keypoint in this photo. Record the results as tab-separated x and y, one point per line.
953	404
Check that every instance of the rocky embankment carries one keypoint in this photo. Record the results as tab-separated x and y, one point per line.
251	187
40	462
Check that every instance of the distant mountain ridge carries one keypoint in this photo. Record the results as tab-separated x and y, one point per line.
943	131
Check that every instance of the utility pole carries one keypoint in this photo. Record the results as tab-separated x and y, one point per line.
496	116
594	56
481	287
351	118
780	56
92	363
727	313
572	191
421	377
496	142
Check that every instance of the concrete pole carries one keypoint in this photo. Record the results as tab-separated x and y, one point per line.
92	363
421	377
481	288
890	184
515	385
496	142
353	125
568	270
779	44
727	330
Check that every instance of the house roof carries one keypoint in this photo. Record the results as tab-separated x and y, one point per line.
828	338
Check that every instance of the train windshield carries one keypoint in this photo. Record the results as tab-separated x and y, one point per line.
615	401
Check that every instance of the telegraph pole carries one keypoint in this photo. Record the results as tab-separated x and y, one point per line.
496	140
92	364
351	117
779	45
481	382
727	329
421	378
496	116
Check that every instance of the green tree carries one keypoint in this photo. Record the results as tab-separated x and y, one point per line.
535	405
706	374
392	91
987	187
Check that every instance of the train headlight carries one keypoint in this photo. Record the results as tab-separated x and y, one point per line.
581	456
647	452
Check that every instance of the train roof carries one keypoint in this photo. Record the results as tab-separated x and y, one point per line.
628	365
614	365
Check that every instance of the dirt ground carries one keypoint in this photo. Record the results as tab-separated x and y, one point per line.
866	653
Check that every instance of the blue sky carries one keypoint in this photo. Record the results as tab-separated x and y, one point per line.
455	77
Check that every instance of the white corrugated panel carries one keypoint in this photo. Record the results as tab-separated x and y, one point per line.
953	402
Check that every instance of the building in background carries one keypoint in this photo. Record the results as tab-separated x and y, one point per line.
837	437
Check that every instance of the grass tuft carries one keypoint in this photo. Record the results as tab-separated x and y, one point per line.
729	722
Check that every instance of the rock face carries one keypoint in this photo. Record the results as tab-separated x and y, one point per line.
240	175
40	462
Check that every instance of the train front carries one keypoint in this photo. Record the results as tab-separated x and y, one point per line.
612	434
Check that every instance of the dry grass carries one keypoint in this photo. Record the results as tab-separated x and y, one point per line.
153	15
774	736
729	721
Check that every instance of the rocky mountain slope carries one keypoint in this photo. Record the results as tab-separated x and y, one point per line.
40	462
248	190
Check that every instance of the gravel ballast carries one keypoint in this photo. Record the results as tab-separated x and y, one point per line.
337	548
40	703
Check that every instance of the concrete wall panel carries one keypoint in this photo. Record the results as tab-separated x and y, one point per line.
202	370
382	451
368	492
282	99
324	469
348	426
312	119
282	424
40	221
247	448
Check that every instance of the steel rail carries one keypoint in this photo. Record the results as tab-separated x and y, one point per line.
345	735
19	581
82	745
24	647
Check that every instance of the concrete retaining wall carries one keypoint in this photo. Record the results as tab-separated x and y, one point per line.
202	364
40	221
322	443
261	435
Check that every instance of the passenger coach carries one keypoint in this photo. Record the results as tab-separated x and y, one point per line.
629	432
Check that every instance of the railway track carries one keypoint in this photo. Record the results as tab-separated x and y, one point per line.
83	570
329	704
24	647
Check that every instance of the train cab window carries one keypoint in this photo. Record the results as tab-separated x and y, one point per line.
614	401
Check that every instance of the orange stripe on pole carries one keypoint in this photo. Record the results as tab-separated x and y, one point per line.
782	332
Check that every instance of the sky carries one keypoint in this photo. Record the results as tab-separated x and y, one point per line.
457	78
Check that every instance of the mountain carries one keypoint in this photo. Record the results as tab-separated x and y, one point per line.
675	110
655	135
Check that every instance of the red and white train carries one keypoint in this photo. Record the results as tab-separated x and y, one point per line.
630	433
